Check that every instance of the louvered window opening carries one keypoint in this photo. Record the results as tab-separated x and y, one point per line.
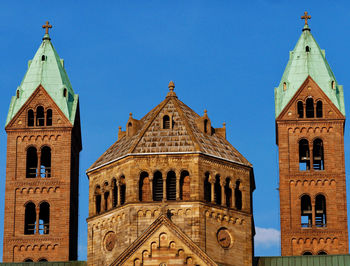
158	187
171	186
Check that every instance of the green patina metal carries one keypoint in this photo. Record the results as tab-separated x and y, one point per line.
47	69
303	63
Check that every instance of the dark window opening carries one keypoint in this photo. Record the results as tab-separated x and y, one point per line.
333	85
17	94
30	118
49	117
238	196
185	193
157	186
44	218
122	190
206	126
106	196
43	58
318	163
65	92
115	193
217	190
166	122
144	187
171	186
322	253
207	188
300	109
307	49
45	162
228	193
319	111
320	211
32	162
284	86
304	155
306	211
98	199
40	117
42	260
310	108
28	260
30	219
307	253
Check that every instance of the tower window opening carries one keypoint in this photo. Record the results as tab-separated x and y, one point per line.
64	92
43	58
40	117
32	162
166	122
206	126
304	155
310	113
207	188
115	192
320	211
122	190
217	190
157	186
45	162
30	118
319	111
44	218
238	196
306	211
49	117
17	94
307	253
185	193
171	186
284	86
333	85
144	187
30	219
307	49
228	193
318	157
300	109
98	199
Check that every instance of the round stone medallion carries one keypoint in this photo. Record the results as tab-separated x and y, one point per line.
110	240
224	238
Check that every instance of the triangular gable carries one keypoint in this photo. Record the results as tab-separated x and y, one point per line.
163	242
309	82
49	101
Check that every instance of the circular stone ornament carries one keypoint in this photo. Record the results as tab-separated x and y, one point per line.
110	239
224	238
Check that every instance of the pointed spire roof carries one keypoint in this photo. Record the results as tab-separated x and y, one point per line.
307	59
184	137
46	69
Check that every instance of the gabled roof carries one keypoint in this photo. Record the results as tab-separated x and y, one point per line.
303	63
155	230
46	69
184	137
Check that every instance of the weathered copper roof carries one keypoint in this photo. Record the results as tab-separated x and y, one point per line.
184	137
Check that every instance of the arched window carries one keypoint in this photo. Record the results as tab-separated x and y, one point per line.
300	109
17	94
306	211
304	155
185	193
171	186
40	117
157	186
205	125
30	219
307	253
30	118
28	260
322	253
333	85
310	108
49	117
105	196
207	188
122	190
319	111
32	162
44	218
43	57
64	92
307	49
144	187
45	162
115	192
238	196
318	163
166	122
284	86
98	199
320	211
42	259
228	193
217	190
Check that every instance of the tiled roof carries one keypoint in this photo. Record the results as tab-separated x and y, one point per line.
184	137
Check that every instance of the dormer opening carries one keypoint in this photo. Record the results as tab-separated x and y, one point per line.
166	122
43	58
65	92
333	85
17	94
284	86
307	49
206	126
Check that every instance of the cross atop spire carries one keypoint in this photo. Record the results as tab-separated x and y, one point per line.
306	17
47	26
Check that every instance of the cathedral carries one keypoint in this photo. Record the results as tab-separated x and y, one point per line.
171	190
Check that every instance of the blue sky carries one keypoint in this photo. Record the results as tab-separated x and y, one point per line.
224	56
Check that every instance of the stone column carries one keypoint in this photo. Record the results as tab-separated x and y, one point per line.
119	198
212	182
37	211
151	187
223	196
178	186
38	164
313	213
233	198
164	188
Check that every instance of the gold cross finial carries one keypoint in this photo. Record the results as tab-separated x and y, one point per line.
306	17
47	26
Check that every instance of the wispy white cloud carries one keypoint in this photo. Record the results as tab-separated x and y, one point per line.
266	237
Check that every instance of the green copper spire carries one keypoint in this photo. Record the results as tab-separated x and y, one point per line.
307	59
47	69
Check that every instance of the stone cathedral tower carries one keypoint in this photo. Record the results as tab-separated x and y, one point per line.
310	119
171	191
42	171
